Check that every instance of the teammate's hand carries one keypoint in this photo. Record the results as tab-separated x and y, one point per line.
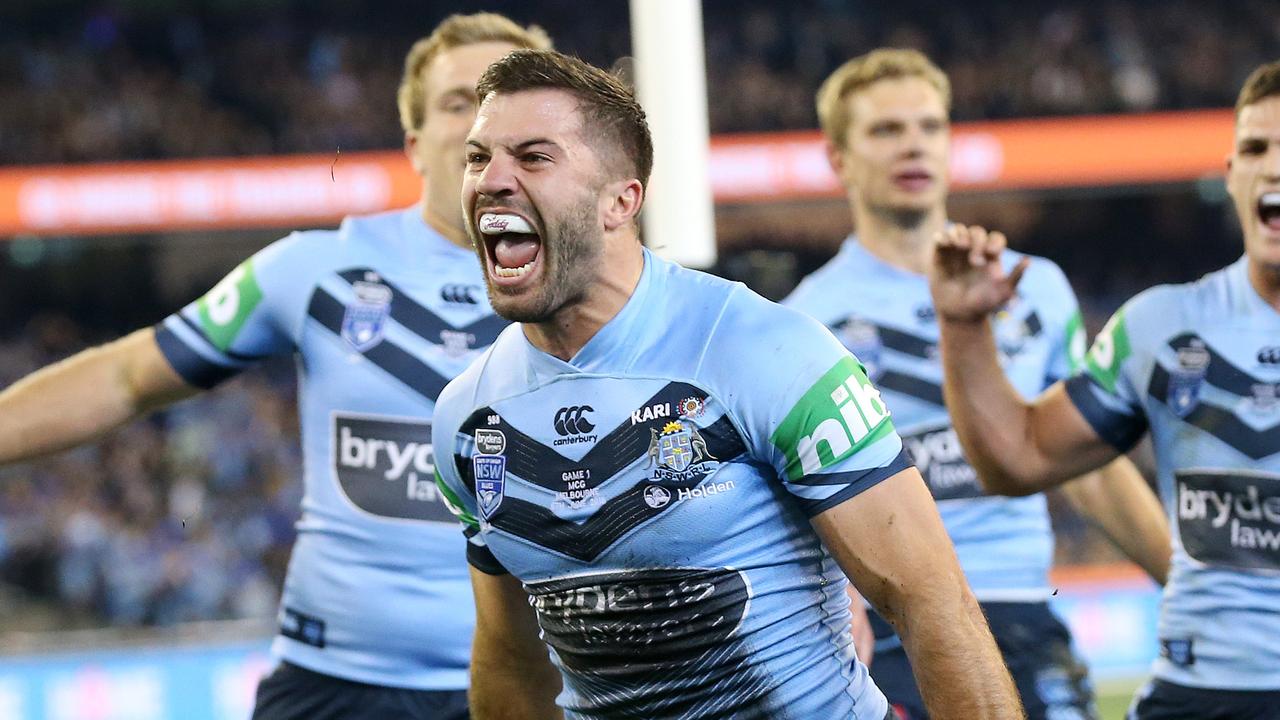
966	278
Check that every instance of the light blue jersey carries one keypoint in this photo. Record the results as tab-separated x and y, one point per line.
381	314
885	315
654	494
1199	365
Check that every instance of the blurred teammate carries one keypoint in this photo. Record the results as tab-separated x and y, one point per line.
1199	366
885	116
649	484
376	615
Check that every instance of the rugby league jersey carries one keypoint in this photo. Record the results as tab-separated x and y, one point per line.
381	314
1199	366
654	493
885	315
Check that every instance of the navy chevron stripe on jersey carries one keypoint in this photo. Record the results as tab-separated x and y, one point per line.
426	324
918	388
1220	372
615	518
540	465
328	311
1220	423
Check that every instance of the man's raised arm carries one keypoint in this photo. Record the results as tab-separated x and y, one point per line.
1017	447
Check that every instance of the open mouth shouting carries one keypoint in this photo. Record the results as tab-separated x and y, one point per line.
513	249
1269	211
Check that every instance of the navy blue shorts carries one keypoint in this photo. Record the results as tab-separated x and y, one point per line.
295	693
1052	681
1160	700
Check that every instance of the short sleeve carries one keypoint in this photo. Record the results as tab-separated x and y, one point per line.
810	410
240	321
1103	391
453	450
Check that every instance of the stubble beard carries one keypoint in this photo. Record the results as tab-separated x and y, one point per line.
572	254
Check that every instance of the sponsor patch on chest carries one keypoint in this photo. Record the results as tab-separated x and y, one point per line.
1231	519
386	467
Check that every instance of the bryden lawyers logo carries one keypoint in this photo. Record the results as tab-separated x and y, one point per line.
572	425
489	468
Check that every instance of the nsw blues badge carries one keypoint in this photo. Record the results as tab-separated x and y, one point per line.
365	318
489	467
1185	380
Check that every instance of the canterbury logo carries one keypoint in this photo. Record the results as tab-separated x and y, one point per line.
1269	355
573	420
460	294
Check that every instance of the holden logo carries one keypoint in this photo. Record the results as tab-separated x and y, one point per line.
573	420
1269	355
656	496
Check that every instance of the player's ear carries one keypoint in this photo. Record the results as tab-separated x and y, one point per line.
622	203
835	157
410	150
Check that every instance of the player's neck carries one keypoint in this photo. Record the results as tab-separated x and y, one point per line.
443	223
574	325
1265	279
908	246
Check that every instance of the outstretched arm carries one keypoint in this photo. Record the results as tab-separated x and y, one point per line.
1017	447
891	541
79	398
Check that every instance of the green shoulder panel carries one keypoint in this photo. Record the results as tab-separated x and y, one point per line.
1077	343
1110	350
224	309
454	503
839	415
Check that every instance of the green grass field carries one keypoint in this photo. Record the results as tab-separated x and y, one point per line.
1114	697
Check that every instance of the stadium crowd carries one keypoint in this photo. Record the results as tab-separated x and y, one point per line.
134	80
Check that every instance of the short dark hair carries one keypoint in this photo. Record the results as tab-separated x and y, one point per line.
605	102
1263	83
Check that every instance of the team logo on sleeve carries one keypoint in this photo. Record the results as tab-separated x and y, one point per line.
364	320
1185	380
489	468
679	452
840	414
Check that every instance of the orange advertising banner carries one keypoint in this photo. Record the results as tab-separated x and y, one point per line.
311	190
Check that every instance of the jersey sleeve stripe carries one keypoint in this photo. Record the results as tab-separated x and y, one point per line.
855	483
1121	430
238	357
194	367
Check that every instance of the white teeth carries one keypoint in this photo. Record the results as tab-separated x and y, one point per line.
1269	199
497	223
513	272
